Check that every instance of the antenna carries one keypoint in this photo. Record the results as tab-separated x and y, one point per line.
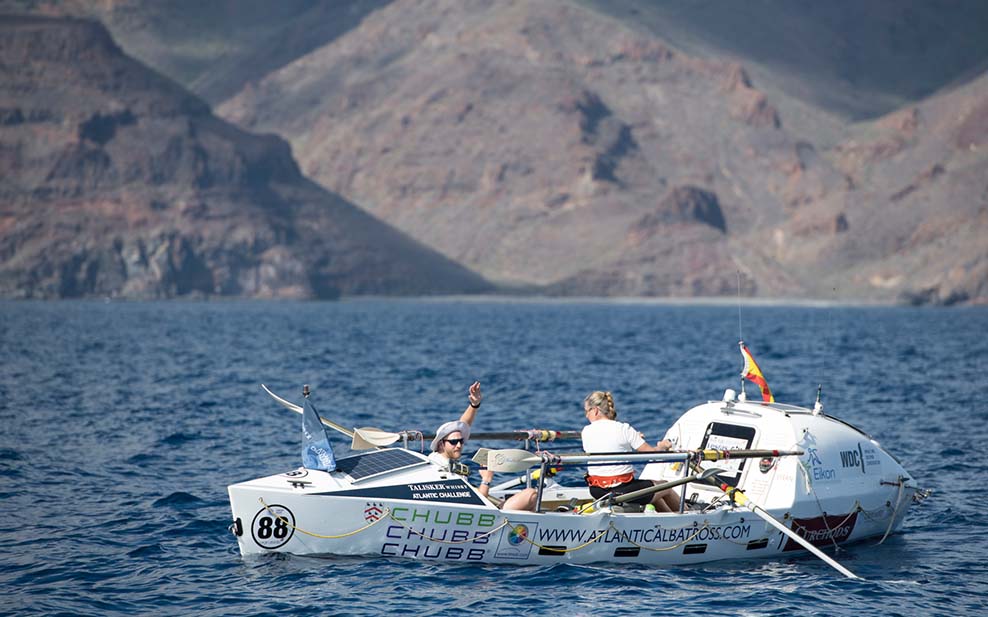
828	340
744	395
740	336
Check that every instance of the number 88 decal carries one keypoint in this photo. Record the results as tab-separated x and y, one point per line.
273	526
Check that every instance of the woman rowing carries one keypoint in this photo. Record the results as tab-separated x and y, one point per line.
605	434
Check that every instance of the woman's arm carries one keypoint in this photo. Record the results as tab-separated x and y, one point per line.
663	446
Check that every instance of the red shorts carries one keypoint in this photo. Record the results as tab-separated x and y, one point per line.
627	487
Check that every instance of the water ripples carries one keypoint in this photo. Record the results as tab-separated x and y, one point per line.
124	423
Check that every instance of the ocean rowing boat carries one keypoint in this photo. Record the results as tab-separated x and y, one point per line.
758	479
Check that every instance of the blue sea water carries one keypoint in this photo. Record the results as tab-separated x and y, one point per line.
123	424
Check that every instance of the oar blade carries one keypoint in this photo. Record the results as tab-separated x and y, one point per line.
368	438
510	461
707	473
481	456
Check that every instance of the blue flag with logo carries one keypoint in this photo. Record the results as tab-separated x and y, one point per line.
316	451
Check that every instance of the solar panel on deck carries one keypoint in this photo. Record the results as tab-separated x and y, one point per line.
363	466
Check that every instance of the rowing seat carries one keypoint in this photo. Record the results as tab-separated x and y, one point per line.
627	508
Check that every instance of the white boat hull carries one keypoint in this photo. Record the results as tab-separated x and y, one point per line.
397	503
300	521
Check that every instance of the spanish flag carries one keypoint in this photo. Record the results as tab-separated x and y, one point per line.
752	373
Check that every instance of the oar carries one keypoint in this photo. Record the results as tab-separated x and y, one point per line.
666	485
519	480
513	461
720	455
743	500
298	410
377	437
519	460
538	434
370	437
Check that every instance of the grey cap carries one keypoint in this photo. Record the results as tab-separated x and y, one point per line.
446	429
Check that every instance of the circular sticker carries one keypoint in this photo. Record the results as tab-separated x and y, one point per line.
517	535
301	472
273	526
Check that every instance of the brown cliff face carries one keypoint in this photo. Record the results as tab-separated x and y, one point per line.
916	225
550	130
564	138
117	182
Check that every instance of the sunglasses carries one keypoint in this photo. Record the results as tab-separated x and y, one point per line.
453	442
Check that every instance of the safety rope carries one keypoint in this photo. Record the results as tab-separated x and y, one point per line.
823	514
872	515
830	532
895	510
556	549
624	537
667	548
854	510
869	514
442	541
387	511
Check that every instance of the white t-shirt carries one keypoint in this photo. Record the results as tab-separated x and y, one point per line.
440	459
610	436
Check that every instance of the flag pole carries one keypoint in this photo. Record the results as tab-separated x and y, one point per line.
744	369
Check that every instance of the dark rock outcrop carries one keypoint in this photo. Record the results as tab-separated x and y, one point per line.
117	182
683	204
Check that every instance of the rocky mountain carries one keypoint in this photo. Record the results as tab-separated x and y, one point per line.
917	204
843	57
117	182
561	140
857	60
823	150
590	158
212	48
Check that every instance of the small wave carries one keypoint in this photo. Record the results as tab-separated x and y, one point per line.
9	454
141	459
178	500
177	439
148	550
425	373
